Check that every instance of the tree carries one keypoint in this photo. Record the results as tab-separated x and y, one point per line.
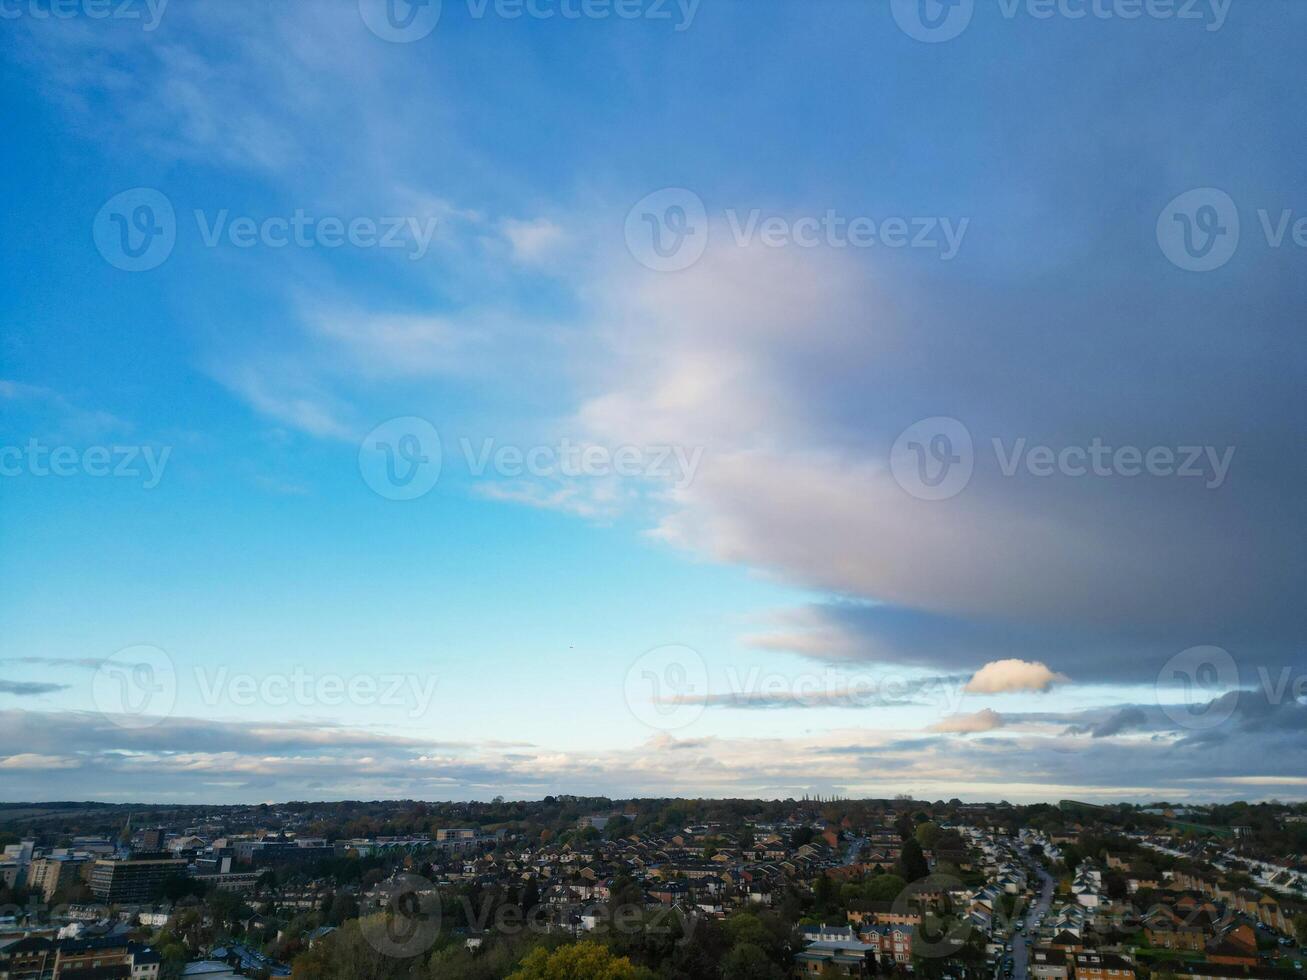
927	834
912	864
1300	928
530	895
747	962
883	888
588	960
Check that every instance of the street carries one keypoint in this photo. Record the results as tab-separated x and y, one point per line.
1020	952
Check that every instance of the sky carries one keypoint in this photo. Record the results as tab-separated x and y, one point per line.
651	398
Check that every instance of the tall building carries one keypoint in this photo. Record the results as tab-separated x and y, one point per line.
133	880
54	872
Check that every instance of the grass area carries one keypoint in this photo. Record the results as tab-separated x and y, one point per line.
1156	953
1201	828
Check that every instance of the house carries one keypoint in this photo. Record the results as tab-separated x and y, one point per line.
884	914
1217	971
848	959
1165	929
890	942
1047	963
1091	965
828	934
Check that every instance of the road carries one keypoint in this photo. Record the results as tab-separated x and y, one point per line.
1020	953
855	848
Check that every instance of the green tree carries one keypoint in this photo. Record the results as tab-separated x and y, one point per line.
883	888
580	961
748	962
1300	928
927	834
912	864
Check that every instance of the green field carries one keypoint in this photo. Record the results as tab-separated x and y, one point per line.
1151	953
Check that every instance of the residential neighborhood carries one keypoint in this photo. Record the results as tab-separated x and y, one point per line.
795	888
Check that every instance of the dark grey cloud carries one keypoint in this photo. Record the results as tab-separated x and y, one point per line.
853	632
30	688
87	663
884	692
1124	720
1064	324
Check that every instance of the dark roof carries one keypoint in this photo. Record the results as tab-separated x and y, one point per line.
28	944
1229	970
90	945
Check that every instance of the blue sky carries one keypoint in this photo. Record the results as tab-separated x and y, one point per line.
766	385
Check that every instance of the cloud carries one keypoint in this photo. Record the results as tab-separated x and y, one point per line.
797	369
985	720
30	688
77	421
37	763
532	241
86	663
807	692
186	758
1127	719
289	397
1004	676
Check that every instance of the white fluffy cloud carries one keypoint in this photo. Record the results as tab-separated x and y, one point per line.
985	720
1004	676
